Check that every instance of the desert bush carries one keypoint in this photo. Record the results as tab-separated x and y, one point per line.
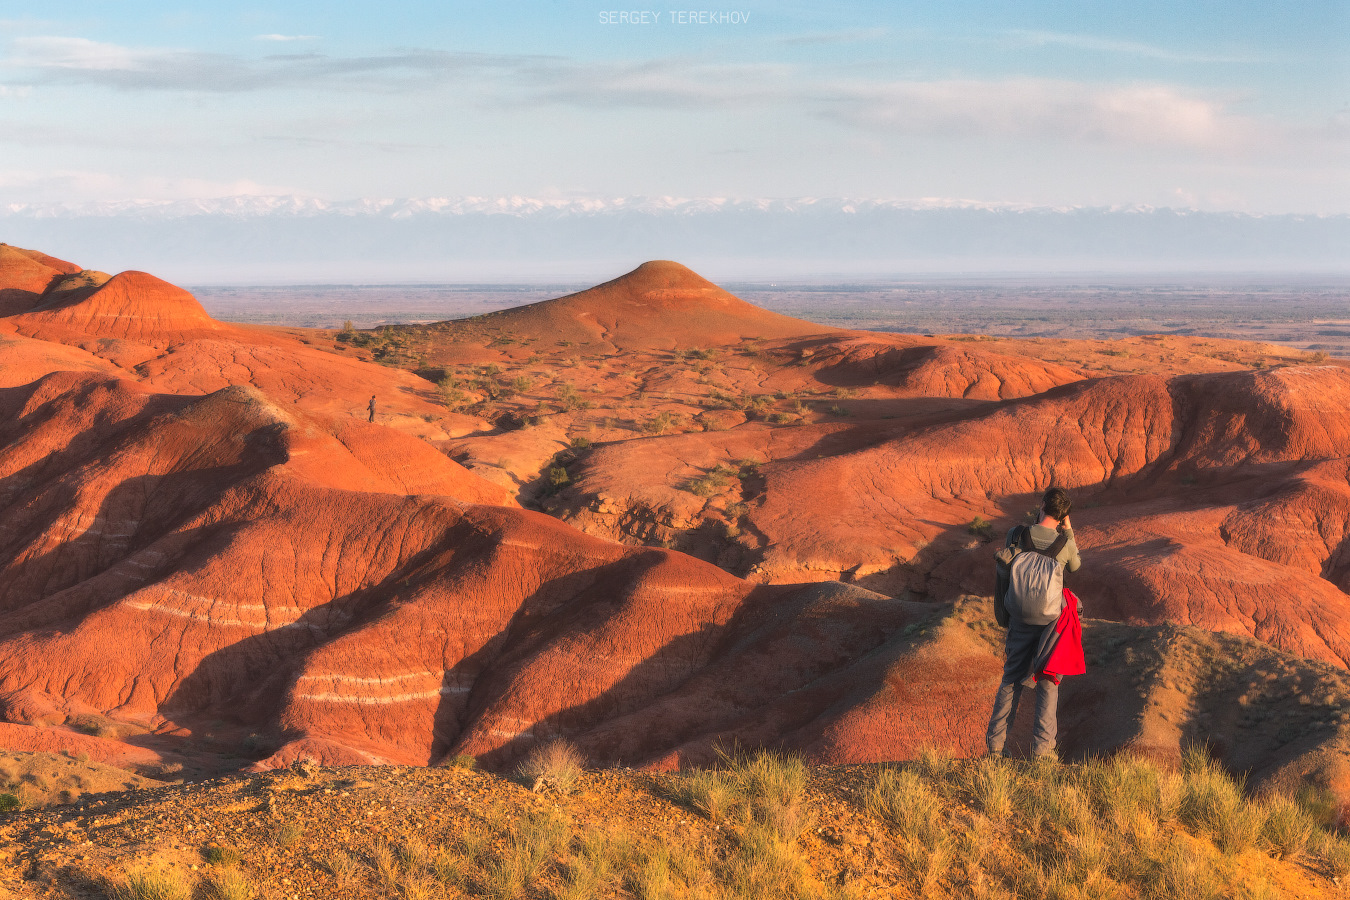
9	802
555	765
711	482
981	528
451	395
660	423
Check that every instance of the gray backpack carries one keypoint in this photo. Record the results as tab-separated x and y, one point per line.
1035	580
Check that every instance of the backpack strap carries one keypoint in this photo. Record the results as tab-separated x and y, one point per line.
1024	542
1053	550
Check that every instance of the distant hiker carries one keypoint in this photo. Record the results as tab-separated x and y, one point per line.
372	408
1044	640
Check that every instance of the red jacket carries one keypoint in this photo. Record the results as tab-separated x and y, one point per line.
1065	656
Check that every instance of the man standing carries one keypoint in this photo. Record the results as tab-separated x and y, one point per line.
1024	637
372	408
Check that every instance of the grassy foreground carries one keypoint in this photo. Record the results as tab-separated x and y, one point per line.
764	826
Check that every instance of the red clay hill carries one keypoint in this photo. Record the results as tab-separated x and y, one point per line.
660	304
208	557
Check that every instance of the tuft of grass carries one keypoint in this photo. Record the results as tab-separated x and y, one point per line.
773	786
905	799
412	854
229	884
9	802
287	834
992	785
1212	804
708	791
146	883
463	761
344	869
1180	872
450	868
384	861
1287	829
221	856
1332	851
532	845
555	765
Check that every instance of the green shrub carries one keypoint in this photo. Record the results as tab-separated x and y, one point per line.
981	528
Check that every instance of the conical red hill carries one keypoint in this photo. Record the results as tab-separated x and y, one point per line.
131	305
25	275
660	304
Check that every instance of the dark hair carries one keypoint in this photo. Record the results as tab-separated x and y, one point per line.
1056	503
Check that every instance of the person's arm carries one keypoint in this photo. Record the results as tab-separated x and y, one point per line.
1069	555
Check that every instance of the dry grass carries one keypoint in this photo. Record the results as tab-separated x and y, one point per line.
555	765
1117	828
147	883
229	884
934	827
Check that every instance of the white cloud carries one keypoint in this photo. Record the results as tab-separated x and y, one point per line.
1160	115
65	60
1130	48
61	184
1039	109
77	54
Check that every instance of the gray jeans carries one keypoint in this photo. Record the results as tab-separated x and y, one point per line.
1005	711
1020	645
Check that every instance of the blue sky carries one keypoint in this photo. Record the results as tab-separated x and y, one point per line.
1233	105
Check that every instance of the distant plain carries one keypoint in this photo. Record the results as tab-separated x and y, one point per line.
1304	312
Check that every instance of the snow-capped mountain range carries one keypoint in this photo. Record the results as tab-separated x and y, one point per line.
250	238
